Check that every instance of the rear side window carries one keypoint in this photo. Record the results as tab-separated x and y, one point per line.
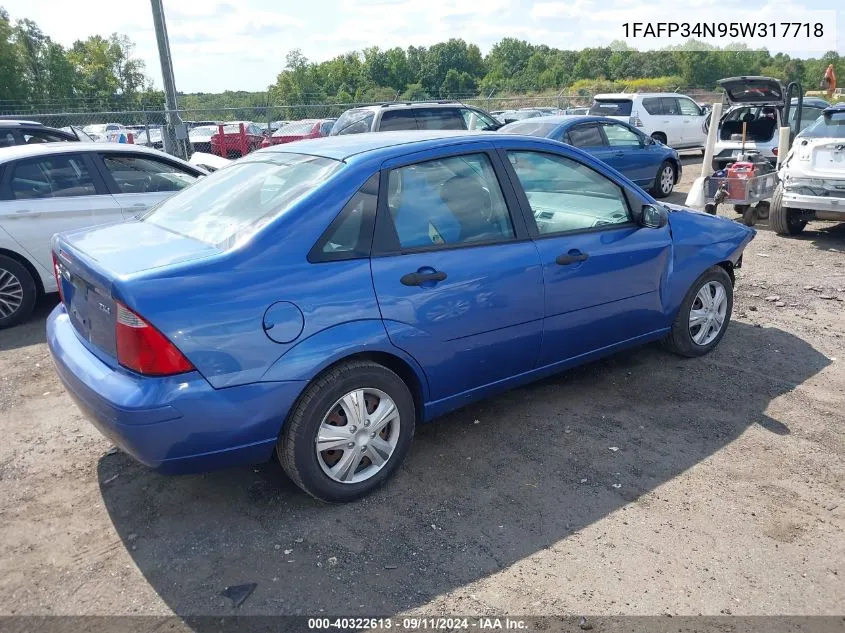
587	135
233	203
439	119
670	106
53	177
448	201
392	120
351	233
653	105
611	107
140	174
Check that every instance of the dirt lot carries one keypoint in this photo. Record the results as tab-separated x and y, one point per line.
726	493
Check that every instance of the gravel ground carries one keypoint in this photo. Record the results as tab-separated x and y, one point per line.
642	484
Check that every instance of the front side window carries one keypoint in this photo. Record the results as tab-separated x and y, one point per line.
567	196
53	177
140	174
448	201
586	135
620	136
233	203
688	107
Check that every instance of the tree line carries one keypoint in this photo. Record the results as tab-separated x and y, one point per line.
101	73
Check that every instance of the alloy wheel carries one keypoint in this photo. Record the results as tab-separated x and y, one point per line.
11	293
707	314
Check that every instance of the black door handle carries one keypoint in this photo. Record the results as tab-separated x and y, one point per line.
571	257
418	279
620	153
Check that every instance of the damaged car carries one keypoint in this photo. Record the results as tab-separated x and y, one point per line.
812	176
760	103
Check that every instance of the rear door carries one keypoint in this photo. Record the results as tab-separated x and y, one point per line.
603	273
52	194
458	283
138	181
672	121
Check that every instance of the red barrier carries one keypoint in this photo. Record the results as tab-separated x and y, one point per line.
221	137
244	146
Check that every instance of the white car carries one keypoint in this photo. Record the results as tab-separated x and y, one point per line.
759	103
48	188
673	119
812	176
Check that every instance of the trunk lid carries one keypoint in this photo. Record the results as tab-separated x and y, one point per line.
90	261
756	90
828	160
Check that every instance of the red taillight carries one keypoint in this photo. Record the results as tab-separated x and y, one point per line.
57	271
142	348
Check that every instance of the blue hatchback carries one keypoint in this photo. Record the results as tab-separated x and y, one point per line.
321	298
649	163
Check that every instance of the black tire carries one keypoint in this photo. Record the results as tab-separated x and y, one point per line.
740	208
660	137
782	219
296	445
679	340
663	187
749	216
17	286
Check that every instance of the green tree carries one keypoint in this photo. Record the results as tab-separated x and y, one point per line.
12	85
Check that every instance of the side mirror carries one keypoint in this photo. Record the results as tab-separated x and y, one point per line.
648	141
653	217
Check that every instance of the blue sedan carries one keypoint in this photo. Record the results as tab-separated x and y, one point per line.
649	163
320	299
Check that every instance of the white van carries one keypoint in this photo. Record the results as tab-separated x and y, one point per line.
673	119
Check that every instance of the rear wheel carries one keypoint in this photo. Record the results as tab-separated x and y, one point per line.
783	220
18	292
349	432
703	316
664	181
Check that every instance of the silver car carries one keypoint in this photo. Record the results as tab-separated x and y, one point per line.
48	188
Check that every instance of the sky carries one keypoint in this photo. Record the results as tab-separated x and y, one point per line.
241	44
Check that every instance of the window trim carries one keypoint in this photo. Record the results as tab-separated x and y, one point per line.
317	256
525	205
385	238
98	158
8	168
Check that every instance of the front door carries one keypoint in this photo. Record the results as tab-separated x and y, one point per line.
459	285
603	273
627	153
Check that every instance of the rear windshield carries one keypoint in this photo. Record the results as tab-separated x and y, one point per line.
231	128
234	203
529	128
611	107
830	126
297	127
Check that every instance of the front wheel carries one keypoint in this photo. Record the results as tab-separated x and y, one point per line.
703	316
349	432
664	181
18	292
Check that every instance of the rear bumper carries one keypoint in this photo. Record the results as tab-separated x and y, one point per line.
814	203
175	424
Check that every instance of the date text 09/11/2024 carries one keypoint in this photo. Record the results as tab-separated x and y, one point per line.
418	623
724	29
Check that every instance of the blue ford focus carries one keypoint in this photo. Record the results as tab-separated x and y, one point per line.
319	299
649	163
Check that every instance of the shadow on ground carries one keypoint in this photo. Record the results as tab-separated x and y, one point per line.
32	331
473	497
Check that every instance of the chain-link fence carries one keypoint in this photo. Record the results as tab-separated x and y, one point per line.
245	129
